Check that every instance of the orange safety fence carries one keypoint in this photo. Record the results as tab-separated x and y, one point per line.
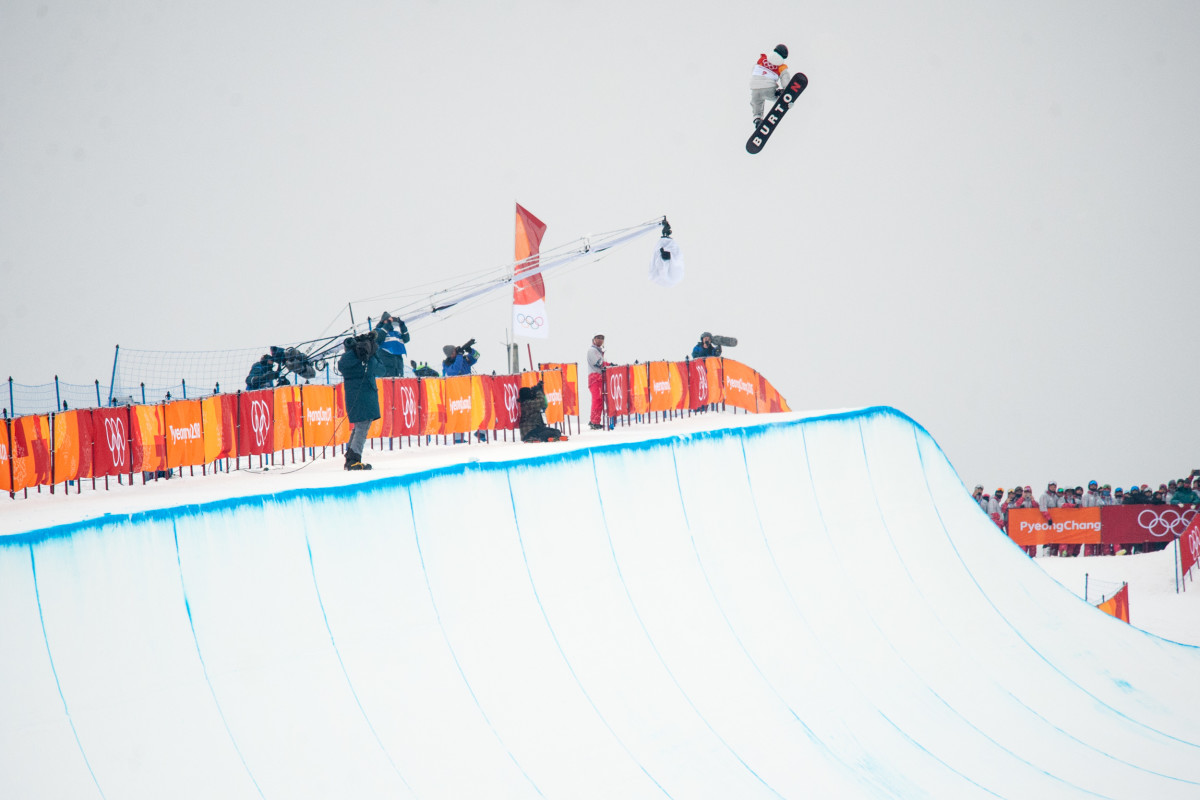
184	433
289	418
72	446
102	442
5	460
1118	604
30	457
148	449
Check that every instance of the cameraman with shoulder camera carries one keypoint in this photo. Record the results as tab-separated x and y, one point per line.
262	374
459	360
358	366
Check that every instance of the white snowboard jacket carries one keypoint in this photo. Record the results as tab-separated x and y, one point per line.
769	71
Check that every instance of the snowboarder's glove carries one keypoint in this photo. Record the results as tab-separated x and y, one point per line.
778	92
662	251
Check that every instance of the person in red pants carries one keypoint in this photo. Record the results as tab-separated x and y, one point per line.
596	365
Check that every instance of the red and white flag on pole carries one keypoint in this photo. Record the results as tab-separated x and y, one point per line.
529	294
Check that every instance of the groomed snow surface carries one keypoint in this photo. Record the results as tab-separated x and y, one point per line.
787	607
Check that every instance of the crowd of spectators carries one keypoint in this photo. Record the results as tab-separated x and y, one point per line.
1175	492
1178	492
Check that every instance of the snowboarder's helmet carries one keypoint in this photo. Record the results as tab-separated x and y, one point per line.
782	50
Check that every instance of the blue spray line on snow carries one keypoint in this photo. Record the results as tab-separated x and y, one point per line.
916	587
829	538
857	691
808	731
54	670
650	639
1019	635
333	642
187	605
558	644
933	609
453	655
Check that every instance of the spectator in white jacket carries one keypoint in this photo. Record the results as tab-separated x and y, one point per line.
1092	498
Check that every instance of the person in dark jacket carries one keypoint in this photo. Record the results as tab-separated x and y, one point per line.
358	366
391	346
533	403
706	347
262	375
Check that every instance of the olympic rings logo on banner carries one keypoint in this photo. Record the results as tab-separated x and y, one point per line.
510	400
260	420
114	432
616	390
1193	543
408	406
1168	522
526	321
702	382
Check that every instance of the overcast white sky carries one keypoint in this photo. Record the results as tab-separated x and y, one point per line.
984	214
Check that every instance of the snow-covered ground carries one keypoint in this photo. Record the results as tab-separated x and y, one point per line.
719	606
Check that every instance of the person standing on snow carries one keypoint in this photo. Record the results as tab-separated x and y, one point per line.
595	366
767	80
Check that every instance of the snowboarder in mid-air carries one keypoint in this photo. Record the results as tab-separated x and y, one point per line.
773	87
769	75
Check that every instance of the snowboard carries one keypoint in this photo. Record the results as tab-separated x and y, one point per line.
758	139
725	341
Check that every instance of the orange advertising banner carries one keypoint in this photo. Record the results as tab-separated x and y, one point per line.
639	389
1028	526
459	404
72	445
770	401
5	460
320	419
289	418
30	452
1118	604
552	385
660	386
218	416
433	406
570	373
184	433
341	426
679	385
741	386
148	450
481	403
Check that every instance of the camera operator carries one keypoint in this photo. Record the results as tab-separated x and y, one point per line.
358	366
533	404
262	375
459	360
706	347
391	349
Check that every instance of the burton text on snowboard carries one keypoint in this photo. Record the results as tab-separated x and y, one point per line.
782	103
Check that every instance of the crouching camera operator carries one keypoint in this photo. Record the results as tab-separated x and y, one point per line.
357	366
533	404
262	374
